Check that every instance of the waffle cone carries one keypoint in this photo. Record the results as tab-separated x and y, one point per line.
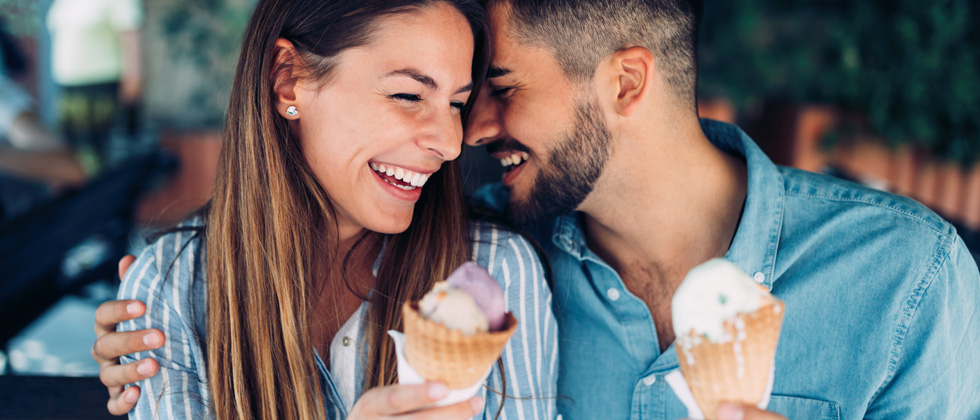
733	371
439	353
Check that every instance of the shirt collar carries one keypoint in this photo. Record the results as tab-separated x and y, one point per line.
569	234
757	238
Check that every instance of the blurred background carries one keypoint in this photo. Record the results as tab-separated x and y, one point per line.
111	114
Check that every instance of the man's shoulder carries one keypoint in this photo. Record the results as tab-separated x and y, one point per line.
849	232
850	206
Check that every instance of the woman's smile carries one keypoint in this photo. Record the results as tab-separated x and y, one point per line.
401	182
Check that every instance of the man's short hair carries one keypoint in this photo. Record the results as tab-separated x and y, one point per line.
579	33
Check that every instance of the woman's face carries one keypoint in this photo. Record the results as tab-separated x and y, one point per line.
389	117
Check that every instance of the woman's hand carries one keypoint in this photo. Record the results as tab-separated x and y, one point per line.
109	345
405	402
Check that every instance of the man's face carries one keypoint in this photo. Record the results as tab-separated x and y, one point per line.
547	130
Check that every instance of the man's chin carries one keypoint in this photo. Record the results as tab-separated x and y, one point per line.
526	213
545	201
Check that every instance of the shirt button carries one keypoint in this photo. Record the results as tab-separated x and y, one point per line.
613	294
649	380
759	277
346	341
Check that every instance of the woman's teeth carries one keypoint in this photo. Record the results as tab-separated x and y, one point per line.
413	179
515	159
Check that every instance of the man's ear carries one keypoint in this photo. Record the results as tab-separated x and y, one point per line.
630	77
285	77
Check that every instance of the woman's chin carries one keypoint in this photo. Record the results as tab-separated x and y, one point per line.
393	225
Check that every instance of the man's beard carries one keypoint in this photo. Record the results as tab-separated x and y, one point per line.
574	166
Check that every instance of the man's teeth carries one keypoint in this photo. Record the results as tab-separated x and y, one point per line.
515	159
415	179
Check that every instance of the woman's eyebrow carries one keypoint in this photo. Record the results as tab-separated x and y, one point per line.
424	79
416	75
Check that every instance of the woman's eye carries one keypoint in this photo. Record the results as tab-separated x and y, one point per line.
406	97
457	105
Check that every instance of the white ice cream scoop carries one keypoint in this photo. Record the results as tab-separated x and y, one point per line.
454	308
712	293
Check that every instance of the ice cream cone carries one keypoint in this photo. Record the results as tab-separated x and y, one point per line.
735	367
442	354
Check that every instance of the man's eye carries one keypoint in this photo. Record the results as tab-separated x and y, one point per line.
406	97
496	92
457	105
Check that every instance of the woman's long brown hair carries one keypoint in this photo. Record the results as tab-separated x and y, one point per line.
272	230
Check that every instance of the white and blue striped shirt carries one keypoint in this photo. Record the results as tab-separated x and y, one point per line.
169	276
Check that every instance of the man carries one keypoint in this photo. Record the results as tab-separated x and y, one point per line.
591	106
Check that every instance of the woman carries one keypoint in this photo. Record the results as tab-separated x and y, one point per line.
337	164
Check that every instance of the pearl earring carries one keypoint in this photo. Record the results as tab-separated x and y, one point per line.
292	111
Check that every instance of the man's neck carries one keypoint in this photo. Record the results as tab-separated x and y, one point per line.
669	200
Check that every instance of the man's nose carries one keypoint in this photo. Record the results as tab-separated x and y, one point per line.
483	125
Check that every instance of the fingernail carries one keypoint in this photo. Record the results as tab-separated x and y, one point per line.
131	396
477	403
133	308
151	339
438	390
730	411
144	368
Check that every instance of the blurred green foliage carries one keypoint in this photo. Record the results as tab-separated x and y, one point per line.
203	38
910	67
21	17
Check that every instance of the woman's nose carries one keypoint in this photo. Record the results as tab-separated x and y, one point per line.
444	137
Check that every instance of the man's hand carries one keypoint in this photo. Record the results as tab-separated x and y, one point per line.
732	411
109	345
405	402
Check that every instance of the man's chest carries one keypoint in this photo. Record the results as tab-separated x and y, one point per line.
655	287
610	347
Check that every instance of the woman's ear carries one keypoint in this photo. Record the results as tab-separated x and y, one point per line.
285	79
631	73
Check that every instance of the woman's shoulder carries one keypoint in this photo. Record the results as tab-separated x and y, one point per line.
489	238
167	270
506	254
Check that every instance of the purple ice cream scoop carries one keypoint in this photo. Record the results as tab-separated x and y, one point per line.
485	291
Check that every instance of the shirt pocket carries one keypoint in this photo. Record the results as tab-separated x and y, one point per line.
804	408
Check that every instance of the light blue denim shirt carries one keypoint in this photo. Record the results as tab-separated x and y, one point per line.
170	277
882	305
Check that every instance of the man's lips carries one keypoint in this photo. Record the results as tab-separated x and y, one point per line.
511	173
506	147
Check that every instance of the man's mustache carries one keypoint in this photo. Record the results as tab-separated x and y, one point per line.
507	145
